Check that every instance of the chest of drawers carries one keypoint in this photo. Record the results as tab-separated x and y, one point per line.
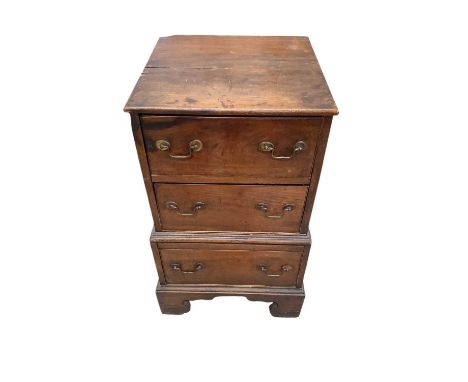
231	134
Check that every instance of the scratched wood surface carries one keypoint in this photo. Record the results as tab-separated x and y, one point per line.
232	75
230	149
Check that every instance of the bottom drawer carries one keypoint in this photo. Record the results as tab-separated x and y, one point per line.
232	266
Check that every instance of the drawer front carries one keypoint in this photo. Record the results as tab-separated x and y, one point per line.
230	150
197	207
231	267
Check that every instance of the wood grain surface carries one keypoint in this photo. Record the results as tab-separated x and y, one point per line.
237	238
232	75
230	151
230	207
230	267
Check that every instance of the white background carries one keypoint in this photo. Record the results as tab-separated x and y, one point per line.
387	285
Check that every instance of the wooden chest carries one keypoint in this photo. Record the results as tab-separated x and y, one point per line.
231	134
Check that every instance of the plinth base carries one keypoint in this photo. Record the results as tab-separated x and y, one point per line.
175	299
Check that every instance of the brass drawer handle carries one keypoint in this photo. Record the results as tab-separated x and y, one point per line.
264	207
165	145
197	267
284	268
270	147
197	206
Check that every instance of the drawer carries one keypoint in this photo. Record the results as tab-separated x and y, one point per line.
231	266
230	150
214	207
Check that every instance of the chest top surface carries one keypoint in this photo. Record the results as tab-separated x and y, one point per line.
232	75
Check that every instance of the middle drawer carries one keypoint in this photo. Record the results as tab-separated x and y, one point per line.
214	207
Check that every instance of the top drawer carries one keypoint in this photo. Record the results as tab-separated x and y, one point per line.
230	149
